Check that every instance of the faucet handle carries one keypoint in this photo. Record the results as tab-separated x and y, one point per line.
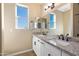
67	34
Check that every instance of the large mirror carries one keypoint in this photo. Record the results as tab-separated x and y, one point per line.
61	20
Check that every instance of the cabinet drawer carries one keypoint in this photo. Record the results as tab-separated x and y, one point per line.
65	53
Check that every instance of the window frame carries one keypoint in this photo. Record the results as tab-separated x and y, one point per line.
17	16
54	21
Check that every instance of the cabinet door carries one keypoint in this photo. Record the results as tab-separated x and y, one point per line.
34	44
38	46
49	50
65	53
53	51
49	53
43	49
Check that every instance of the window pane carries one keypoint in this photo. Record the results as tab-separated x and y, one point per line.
22	17
51	24
22	11
51	18
22	22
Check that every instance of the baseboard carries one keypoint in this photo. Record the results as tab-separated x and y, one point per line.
14	54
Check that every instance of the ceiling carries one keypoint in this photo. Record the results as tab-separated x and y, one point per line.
64	7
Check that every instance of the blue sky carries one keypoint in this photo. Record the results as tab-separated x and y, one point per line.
22	12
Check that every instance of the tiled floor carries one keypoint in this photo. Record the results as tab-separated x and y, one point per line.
30	53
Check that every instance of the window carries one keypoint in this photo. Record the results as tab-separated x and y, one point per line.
52	22
21	17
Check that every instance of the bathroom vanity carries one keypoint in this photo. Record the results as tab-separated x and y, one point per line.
43	46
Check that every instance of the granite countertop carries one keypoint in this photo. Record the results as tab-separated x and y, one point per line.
72	48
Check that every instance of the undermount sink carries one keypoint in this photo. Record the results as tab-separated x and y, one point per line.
59	42
52	41
41	35
51	37
62	43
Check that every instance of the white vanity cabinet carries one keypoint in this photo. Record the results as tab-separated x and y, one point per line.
42	48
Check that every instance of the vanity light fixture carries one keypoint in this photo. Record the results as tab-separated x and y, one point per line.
51	6
48	6
45	9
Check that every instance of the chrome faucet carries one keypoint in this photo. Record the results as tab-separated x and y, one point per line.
67	38
61	37
64	37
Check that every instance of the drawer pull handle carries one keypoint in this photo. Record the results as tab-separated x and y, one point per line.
41	42
49	54
38	40
34	43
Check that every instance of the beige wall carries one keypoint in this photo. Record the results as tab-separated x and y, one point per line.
34	10
68	22
16	39
59	22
